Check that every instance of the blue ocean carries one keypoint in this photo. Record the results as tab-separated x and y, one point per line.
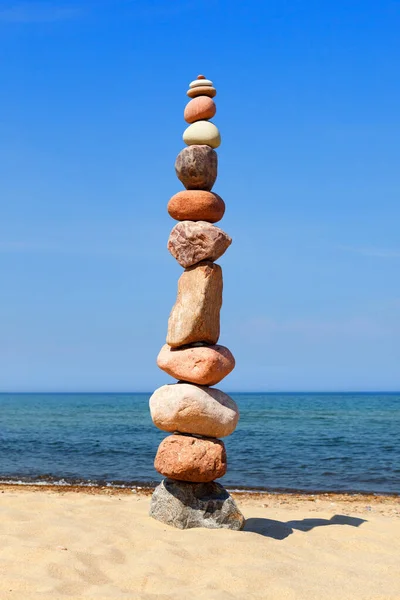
303	442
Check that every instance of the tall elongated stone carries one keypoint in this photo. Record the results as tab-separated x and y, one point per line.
195	315
191	242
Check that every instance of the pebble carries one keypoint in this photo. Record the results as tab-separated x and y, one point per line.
199	82
196	205
192	459
195	315
196	167
203	90
199	108
202	132
190	242
186	505
198	410
201	365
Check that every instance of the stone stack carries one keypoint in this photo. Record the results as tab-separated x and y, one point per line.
196	415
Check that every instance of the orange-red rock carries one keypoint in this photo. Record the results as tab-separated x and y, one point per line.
202	365
199	108
196	205
193	459
202	90
195	315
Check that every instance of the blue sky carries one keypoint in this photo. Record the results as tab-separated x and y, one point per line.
91	109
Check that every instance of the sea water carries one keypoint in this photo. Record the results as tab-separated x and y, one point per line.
304	441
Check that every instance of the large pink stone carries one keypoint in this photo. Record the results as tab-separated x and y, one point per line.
193	241
188	458
194	409
202	365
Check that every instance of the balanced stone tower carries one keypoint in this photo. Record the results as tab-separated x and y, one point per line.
196	415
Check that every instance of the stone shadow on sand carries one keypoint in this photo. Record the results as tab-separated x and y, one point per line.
278	530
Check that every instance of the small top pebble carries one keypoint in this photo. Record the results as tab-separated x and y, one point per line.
201	87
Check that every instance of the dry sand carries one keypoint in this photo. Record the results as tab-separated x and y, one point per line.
58	544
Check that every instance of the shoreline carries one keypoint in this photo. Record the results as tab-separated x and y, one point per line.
148	488
357	502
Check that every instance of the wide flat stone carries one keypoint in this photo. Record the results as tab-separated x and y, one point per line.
198	82
203	90
188	458
187	505
189	408
195	315
196	205
191	242
197	166
202	365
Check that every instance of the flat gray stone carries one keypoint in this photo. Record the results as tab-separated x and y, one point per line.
186	505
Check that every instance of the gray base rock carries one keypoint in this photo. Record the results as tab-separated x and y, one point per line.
187	505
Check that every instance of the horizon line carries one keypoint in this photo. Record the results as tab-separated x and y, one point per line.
228	392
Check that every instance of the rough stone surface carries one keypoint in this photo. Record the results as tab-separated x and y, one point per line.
192	459
196	205
199	108
193	241
196	167
195	315
189	408
187	505
203	90
201	365
202	132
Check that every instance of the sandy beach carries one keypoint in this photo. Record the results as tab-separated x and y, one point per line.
100	543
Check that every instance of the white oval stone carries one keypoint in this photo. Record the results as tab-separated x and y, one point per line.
202	132
194	409
198	82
